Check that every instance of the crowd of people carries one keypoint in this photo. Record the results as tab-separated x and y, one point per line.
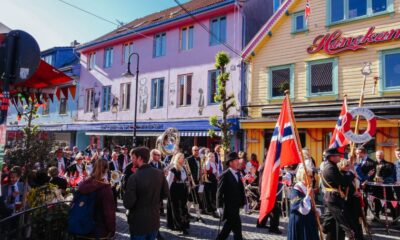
199	184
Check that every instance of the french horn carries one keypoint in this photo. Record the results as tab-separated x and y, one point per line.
168	142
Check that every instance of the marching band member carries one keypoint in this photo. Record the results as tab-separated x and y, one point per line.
353	198
155	162
76	172
302	222
210	186
124	158
177	211
194	162
337	218
230	198
61	163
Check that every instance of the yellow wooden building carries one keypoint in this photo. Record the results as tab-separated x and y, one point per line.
320	62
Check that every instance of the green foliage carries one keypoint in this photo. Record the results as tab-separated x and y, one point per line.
226	102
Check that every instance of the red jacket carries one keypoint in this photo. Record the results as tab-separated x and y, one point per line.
105	216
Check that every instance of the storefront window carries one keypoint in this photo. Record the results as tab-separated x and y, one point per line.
391	69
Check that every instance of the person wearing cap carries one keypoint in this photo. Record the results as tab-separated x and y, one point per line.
336	220
230	198
60	161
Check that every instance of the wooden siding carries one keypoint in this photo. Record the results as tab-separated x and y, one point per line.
284	48
255	143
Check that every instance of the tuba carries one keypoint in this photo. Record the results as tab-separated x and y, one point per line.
168	142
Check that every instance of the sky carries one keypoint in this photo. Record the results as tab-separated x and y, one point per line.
53	23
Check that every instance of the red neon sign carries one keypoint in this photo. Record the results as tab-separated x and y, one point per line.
333	43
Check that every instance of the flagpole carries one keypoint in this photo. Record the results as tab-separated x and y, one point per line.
308	181
366	70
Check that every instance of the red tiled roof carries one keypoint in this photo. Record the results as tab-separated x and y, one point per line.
157	17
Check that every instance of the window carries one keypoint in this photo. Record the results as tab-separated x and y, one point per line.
218	31
46	107
322	77
49	59
89	104
342	10
92	60
63	105
160	44
281	79
125	96
157	93
298	22
106	103
390	68
212	85
108	57
185	90
277	4
187	38
127	50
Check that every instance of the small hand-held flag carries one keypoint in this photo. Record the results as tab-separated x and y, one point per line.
338	139
307	11
283	151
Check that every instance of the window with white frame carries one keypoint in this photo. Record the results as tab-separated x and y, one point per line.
157	93
92	60
212	85
89	103
187	38
160	44
342	10
390	67
108	57
106	101
322	77
127	50
185	90
218	31
125	96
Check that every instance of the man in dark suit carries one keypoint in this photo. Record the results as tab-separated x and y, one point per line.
60	162
144	191
155	160
230	198
366	167
124	158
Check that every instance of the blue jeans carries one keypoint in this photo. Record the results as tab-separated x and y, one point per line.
148	236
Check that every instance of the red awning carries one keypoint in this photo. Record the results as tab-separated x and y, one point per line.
46	76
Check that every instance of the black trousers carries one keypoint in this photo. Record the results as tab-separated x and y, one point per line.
274	218
232	223
336	218
210	191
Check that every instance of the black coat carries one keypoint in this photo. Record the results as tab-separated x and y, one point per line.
364	169
144	191
121	159
160	165
112	168
194	169
331	177
230	193
387	171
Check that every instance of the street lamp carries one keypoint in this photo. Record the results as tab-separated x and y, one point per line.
128	73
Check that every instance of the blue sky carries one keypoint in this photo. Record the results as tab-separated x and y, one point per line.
54	23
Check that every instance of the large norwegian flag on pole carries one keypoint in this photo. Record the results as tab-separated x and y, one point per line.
338	139
283	151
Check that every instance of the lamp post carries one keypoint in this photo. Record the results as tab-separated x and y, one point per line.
128	73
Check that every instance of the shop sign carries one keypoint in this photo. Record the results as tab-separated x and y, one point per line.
128	127
333	43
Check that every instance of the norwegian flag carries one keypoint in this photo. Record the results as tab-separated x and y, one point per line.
307	11
283	151
338	140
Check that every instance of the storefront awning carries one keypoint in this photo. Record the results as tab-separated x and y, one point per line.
196	133
124	134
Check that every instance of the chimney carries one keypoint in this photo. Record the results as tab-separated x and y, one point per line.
74	43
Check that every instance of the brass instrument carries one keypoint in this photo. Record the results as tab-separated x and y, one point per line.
203	172
168	142
116	178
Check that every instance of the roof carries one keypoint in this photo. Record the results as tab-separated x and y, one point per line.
50	50
156	18
266	29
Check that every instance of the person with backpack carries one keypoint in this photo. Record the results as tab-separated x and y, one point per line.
93	209
143	195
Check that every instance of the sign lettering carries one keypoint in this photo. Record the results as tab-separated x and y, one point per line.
333	43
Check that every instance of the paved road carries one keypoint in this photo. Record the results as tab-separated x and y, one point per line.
210	228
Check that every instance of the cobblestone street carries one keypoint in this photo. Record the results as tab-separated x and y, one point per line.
209	230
